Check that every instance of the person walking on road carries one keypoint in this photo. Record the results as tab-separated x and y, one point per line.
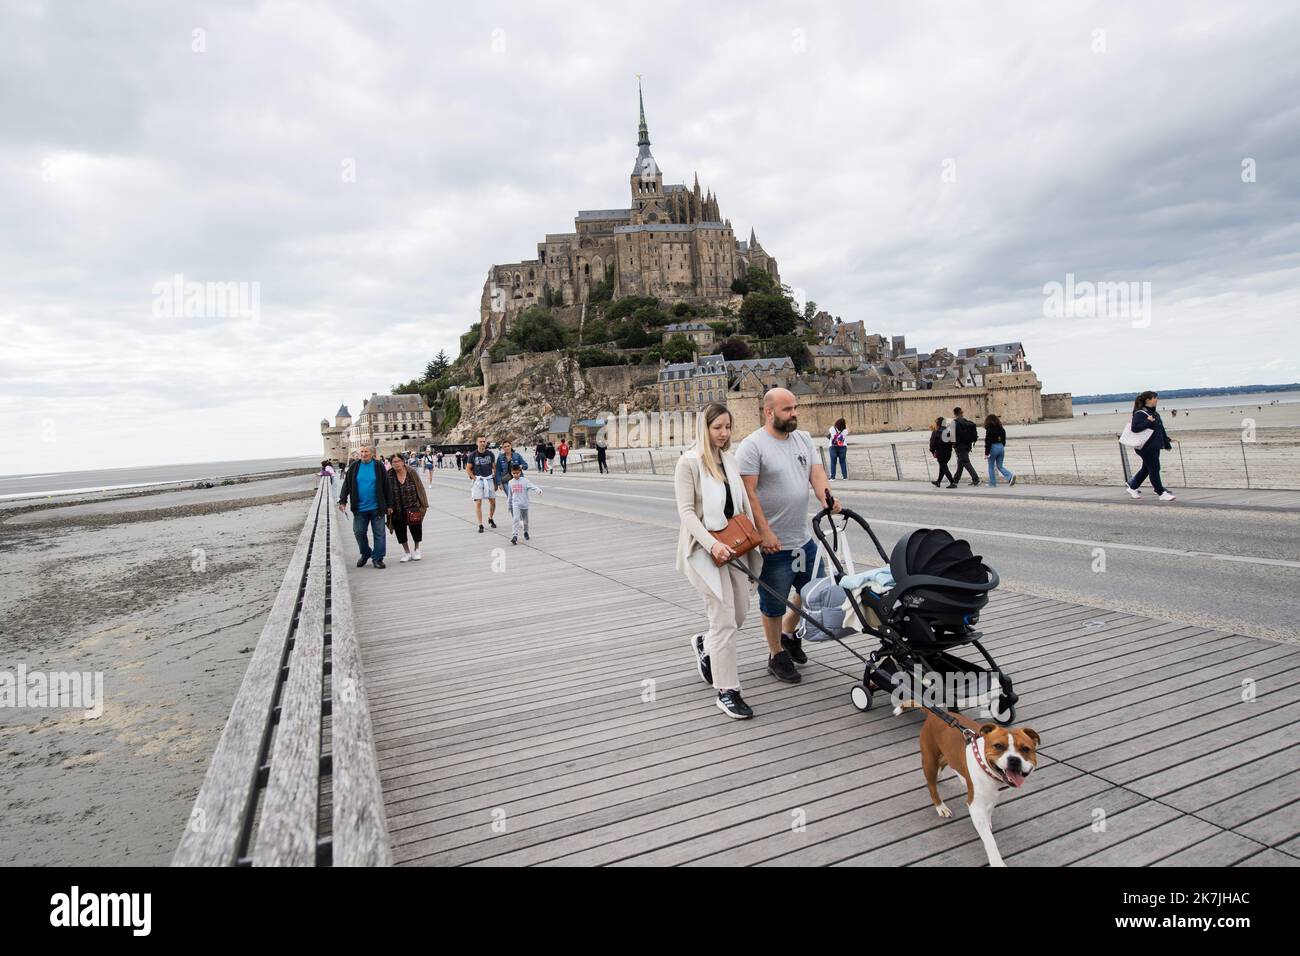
995	447
407	503
564	456
1147	419
539	455
838	436
550	456
709	492
481	466
602	466
965	435
941	449
364	485
518	492
777	465
327	471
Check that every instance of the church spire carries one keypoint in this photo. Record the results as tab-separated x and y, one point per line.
753	239
643	132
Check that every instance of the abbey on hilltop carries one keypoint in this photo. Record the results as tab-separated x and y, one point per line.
671	242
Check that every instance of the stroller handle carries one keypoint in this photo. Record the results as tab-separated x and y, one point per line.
851	515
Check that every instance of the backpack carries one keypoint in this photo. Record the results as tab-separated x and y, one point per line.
966	433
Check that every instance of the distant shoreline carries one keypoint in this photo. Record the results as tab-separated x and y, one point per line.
1223	392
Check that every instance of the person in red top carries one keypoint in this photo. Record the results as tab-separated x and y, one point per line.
564	456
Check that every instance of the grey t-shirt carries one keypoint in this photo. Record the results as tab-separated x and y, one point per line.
783	467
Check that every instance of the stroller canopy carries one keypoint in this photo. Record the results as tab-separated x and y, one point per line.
936	553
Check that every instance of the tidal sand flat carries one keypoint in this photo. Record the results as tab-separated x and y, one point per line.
164	596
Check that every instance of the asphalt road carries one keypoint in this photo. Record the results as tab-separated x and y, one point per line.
1229	569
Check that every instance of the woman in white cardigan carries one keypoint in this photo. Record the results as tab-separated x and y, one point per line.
709	492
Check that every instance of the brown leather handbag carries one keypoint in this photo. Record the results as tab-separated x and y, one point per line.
739	535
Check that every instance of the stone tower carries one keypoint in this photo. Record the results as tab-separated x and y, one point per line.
335	437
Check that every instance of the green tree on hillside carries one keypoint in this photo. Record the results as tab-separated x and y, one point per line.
734	349
536	330
755	279
628	305
470	339
437	367
767	314
678	349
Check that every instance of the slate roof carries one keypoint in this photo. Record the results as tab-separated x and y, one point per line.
587	215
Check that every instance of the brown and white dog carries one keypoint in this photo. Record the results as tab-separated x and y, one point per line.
993	758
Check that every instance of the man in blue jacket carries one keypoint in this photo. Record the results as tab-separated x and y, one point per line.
364	487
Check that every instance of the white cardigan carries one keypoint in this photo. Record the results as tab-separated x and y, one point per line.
701	500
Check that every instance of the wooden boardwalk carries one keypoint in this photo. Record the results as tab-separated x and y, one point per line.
539	705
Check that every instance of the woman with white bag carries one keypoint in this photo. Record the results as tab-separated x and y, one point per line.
1146	435
709	494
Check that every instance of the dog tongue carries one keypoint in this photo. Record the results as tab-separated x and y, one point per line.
1015	777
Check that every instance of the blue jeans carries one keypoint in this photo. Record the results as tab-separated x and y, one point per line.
374	521
780	574
996	451
840	453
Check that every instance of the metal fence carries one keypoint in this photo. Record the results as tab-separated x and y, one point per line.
1266	463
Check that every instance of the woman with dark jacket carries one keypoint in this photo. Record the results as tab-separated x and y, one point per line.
407	503
995	446
1147	419
941	449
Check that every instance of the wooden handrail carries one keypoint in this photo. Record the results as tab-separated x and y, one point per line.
273	753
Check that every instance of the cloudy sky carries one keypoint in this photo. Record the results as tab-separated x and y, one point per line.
927	168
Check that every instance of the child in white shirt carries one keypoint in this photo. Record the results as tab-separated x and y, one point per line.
518	490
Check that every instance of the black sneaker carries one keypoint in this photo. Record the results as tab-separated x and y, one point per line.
491	523
794	647
782	668
526	538
363	562
701	659
379	564
514	539
936	482
953	485
480	529
974	482
733	705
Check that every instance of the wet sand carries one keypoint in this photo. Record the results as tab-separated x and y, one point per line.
165	593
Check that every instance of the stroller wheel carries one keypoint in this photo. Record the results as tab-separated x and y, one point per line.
861	697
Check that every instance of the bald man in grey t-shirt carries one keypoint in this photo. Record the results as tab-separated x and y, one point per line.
778	465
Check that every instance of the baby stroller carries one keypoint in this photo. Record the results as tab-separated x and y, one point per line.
922	607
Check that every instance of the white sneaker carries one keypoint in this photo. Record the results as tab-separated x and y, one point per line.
1133	492
417	556
405	558
1166	496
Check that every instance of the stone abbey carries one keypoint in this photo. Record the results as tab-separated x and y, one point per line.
671	242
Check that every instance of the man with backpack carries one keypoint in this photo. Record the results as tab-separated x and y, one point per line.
965	435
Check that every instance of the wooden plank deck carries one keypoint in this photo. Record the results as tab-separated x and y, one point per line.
508	690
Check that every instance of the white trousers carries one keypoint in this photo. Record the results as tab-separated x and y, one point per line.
726	617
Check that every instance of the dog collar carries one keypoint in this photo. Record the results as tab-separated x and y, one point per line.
979	759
